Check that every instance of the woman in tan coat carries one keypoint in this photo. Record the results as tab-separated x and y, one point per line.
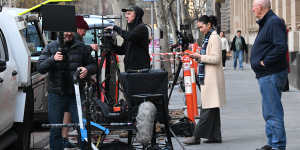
211	79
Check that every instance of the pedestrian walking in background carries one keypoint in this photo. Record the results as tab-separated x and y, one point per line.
268	61
238	46
224	47
211	78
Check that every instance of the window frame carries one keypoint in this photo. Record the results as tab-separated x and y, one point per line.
3	41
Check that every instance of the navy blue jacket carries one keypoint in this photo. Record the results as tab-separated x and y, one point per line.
270	46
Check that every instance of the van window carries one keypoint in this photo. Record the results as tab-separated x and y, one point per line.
3	47
32	38
89	37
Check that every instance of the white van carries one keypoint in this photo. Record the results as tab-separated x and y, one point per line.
22	89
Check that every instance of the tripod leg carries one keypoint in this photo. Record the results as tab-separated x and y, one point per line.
88	119
175	79
166	122
153	140
129	137
99	84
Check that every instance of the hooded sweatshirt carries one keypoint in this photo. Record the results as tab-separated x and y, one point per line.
136	43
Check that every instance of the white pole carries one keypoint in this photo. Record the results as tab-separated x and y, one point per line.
178	15
156	59
152	24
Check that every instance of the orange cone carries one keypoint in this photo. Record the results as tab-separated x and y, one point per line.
188	87
194	89
194	71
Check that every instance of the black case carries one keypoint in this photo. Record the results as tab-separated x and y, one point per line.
152	82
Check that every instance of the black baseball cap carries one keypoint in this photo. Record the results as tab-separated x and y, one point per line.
131	8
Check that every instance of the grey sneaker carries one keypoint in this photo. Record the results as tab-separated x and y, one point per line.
192	141
266	147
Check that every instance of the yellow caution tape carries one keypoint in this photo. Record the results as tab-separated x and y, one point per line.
41	4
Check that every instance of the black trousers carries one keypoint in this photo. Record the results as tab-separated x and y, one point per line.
223	57
209	125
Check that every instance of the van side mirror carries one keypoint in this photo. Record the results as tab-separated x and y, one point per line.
2	65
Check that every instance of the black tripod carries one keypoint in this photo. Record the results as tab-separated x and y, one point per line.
112	72
183	44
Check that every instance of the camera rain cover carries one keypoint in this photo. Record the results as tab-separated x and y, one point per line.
59	18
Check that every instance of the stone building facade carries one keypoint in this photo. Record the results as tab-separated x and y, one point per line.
225	16
242	18
8	3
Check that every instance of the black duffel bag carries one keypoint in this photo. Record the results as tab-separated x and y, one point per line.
184	128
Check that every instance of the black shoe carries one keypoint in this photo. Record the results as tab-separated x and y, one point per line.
212	141
266	147
68	144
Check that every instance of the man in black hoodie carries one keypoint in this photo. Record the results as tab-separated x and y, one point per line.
268	60
136	41
136	44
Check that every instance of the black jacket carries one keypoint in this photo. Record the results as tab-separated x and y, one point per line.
79	38
270	46
244	45
136	44
60	74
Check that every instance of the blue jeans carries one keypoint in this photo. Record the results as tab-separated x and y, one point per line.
57	105
238	54
270	88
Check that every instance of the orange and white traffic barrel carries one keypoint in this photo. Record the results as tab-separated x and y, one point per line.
194	71
188	87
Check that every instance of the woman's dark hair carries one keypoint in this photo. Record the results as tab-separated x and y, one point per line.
209	19
223	33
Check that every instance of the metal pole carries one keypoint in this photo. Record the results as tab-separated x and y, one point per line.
152	25
178	14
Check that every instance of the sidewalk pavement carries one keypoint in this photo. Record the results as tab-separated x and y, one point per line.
242	122
241	118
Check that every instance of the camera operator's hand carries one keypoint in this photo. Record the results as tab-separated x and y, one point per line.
94	47
109	28
83	72
58	56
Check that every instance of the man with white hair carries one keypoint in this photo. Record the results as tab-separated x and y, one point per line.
268	61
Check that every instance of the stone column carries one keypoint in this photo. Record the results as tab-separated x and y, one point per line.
286	11
295	13
231	18
273	5
278	5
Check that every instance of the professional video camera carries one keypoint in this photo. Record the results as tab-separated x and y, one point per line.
185	36
108	39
